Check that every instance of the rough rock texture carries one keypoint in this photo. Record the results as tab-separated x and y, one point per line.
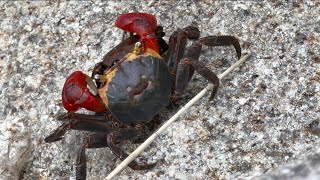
305	168
266	113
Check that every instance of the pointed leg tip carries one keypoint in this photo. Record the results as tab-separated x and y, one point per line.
52	138
147	166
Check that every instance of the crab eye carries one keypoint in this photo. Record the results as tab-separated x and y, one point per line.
96	76
138	44
137	47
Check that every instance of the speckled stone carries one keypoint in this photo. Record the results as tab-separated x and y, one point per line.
266	113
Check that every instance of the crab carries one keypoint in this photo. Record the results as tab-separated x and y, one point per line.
132	84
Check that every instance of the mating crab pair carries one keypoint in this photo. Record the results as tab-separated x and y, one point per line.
133	83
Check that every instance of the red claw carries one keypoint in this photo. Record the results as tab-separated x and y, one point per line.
76	94
141	23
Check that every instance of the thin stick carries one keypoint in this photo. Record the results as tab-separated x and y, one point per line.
144	145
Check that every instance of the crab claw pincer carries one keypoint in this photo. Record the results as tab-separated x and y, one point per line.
76	94
141	23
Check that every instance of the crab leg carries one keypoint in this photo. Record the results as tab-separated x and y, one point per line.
206	73
222	41
163	46
125	135
187	66
177	45
94	123
195	49
99	140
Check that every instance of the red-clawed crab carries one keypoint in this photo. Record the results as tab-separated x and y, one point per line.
134	81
